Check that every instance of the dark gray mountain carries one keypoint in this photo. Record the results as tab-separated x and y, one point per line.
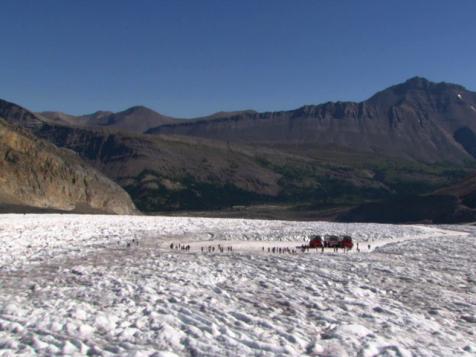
418	120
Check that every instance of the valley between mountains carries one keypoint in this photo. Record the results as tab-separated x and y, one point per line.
412	145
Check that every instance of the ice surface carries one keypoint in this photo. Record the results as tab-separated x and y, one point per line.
70	285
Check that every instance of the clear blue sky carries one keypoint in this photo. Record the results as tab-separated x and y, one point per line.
193	57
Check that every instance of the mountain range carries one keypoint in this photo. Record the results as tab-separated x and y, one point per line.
336	160
417	120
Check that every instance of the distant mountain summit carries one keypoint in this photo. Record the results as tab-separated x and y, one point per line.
417	119
136	119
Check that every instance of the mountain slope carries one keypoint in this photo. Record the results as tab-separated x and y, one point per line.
416	120
453	204
18	116
170	173
185	173
164	173
35	173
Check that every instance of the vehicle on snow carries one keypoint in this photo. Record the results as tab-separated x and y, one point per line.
316	242
331	241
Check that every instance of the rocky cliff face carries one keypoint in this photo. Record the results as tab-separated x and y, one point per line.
34	173
416	120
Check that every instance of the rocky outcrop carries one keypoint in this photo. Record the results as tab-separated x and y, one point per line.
35	173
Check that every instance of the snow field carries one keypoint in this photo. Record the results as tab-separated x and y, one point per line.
35	238
69	286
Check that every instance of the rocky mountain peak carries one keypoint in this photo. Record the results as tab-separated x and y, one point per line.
137	109
417	83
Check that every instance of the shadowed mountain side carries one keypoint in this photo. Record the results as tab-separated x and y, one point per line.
35	173
170	172
465	191
454	204
414	120
184	173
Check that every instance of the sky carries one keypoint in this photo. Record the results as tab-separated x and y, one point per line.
188	58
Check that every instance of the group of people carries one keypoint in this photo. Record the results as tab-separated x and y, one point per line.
273	250
219	248
132	242
280	250
180	247
209	249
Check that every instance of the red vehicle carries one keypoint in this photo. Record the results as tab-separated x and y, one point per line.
330	241
333	241
346	242
316	242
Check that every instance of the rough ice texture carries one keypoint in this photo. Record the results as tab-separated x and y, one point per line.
71	286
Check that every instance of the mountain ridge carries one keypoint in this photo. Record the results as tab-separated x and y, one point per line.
135	119
416	119
409	139
373	125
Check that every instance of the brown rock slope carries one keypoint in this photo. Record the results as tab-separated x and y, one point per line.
35	173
